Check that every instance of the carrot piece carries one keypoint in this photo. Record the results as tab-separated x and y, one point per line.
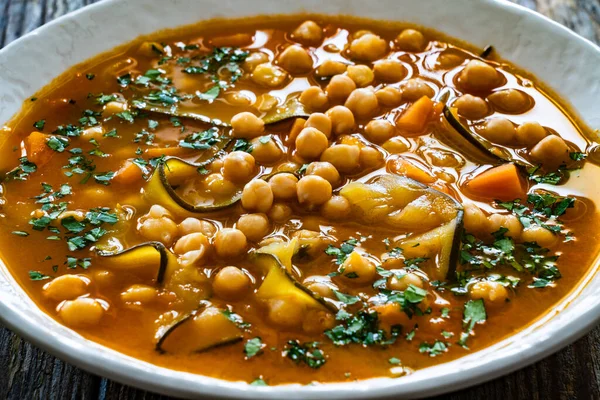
38	151
502	183
404	167
416	116
128	174
297	126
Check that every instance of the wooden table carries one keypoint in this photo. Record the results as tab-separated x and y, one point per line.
26	372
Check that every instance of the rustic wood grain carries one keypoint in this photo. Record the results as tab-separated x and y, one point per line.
29	373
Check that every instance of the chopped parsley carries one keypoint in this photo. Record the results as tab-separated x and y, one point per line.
253	347
22	171
307	353
341	253
38	276
434	349
39	124
201	140
361	328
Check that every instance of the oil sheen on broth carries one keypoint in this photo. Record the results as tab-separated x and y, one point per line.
309	199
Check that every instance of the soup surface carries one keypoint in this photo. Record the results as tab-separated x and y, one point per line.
301	200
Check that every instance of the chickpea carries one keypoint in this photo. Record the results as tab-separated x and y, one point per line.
389	71
392	314
141	294
257	196
231	283
539	235
66	287
268	75
313	243
266	102
325	170
285	312
310	143
104	278
266	150
314	98
490	292
415	88
330	68
510	100
362	103
157	211
411	40
217	184
389	96
343	157
114	107
254	226
189	242
255	59
361	75
238	166
161	229
95	132
475	219
530	133
296	60
358	269
370	157
192	257
550	151
471	107
405	281
247	125
499	131
230	242
396	145
336	208
339	88
191	225
319	121
280	212
368	47
508	221
479	76
283	186
317	321
379	130
81	312
320	288
309	33
313	190
342	119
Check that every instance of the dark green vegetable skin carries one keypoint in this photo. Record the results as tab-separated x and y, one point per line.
158	246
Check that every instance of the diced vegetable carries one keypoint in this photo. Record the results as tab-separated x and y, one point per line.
160	189
416	116
279	282
201	330
151	260
403	204
502	183
38	151
406	168
128	174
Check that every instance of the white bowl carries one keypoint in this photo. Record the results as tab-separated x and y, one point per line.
556	56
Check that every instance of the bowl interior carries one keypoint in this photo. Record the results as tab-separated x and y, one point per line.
550	52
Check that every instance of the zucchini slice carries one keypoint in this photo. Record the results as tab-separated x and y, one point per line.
291	109
405	205
201	330
160	189
280	283
151	258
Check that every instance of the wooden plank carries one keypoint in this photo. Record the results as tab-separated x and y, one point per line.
29	373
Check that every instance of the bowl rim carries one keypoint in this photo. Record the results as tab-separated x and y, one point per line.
131	371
